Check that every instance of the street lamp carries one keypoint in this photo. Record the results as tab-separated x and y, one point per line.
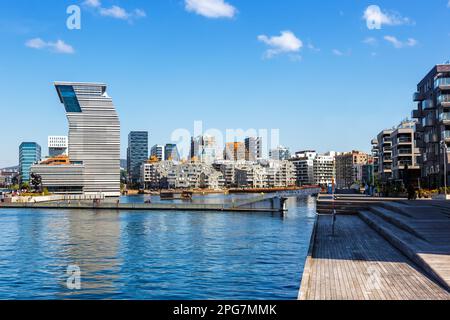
445	150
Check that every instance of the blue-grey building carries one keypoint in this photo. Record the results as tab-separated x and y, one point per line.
171	152
29	154
137	153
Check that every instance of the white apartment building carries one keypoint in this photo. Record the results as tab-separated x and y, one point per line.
58	146
303	162
324	169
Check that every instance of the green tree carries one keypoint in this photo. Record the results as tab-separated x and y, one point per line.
36	181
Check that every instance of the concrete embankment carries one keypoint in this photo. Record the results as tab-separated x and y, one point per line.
257	204
381	249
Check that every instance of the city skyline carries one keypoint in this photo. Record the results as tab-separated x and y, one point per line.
267	70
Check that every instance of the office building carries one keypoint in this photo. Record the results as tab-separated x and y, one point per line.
433	131
253	148
137	154
234	151
203	149
171	152
29	154
94	143
157	152
58	146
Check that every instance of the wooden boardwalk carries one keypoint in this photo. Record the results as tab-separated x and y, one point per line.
358	264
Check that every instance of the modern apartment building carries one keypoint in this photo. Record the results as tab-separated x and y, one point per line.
168	175
253	148
29	154
349	166
234	151
384	142
433	131
280	153
94	143
137	153
324	169
303	162
171	152
375	155
157	152
58	146
406	157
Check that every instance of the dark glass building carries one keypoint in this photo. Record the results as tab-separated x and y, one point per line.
433	130
137	153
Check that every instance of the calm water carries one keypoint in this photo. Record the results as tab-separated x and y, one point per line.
154	255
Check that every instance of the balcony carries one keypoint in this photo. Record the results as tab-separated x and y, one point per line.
404	151
442	83
415	114
445	135
431	138
427	104
404	140
444	117
417	97
428	121
444	100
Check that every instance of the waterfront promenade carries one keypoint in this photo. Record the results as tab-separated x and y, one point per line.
396	250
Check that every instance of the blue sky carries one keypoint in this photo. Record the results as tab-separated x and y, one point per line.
314	69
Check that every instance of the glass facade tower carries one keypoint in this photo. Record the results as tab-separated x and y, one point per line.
29	154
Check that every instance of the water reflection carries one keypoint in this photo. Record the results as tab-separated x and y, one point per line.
154	255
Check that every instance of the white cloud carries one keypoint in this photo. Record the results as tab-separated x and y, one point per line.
341	53
411	42
370	41
115	12
211	8
92	3
59	46
312	47
287	42
376	18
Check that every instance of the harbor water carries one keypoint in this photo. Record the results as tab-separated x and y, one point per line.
154	255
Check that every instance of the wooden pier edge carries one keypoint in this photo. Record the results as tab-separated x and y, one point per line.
305	280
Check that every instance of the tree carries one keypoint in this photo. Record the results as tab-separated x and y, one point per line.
36	181
24	186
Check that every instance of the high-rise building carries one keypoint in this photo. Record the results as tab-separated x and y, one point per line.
433	131
94	143
137	154
234	151
203	149
349	168
29	154
157	151
280	153
253	148
57	146
171	152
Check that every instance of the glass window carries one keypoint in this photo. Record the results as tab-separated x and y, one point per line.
69	98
